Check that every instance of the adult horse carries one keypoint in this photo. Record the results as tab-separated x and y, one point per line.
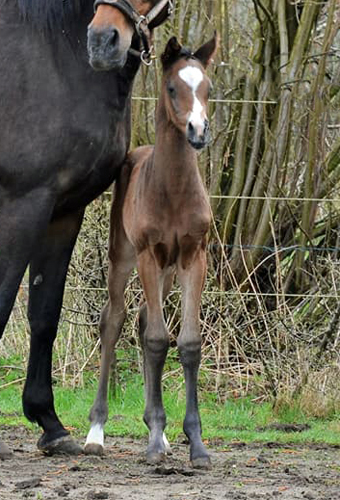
65	130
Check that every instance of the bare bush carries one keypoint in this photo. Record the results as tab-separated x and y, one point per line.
270	310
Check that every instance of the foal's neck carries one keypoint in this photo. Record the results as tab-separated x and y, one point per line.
175	160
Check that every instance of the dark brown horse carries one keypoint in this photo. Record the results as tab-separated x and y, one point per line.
64	133
159	221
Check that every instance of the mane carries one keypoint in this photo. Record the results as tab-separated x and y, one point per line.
51	15
186	53
171	55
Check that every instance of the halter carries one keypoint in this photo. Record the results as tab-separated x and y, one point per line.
143	25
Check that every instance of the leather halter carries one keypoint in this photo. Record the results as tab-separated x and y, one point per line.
143	25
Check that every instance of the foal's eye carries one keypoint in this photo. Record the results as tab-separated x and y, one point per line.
171	91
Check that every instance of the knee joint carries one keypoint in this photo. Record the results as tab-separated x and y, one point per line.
156	345
43	330
189	351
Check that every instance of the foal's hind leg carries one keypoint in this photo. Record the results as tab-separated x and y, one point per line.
155	340
48	270
189	346
122	261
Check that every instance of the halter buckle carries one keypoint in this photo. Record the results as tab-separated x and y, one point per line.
142	20
147	56
170	7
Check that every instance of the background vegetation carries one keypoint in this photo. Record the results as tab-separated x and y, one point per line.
271	309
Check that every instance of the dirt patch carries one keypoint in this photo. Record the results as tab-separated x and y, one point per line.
240	472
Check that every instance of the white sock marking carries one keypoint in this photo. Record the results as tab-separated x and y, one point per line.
95	435
166	444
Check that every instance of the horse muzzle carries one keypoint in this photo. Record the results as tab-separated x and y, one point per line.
105	49
198	136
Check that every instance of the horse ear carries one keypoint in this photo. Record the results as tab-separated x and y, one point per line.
207	51
171	52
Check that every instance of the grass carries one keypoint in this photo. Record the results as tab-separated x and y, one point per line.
237	420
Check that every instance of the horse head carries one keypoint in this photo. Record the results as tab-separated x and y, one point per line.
122	26
185	89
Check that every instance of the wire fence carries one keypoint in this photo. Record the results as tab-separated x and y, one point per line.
266	198
220	101
227	293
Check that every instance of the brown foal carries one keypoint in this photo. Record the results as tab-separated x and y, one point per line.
159	221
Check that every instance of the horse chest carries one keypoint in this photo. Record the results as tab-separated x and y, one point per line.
186	213
154	217
169	237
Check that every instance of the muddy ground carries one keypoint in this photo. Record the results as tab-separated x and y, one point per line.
240	472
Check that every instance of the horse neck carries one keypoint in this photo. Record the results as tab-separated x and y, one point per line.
174	160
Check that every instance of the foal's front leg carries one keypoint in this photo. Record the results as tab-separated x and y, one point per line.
155	347
143	321
189	346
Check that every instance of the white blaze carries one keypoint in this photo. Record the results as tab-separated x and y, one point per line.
193	76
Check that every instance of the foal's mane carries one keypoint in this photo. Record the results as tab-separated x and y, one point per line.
185	53
51	15
169	60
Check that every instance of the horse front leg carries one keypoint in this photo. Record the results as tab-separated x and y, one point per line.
155	343
142	323
22	221
122	261
189	345
48	269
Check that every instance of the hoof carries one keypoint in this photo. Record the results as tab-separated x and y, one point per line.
61	446
5	452
201	463
155	458
94	449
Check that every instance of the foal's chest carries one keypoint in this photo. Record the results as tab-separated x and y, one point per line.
167	228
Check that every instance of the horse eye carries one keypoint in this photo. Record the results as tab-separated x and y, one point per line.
171	91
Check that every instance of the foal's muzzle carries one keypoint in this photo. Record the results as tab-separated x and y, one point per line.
104	49
198	136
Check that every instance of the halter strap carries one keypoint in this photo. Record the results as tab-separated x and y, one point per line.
143	25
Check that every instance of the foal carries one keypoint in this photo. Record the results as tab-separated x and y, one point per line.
159	220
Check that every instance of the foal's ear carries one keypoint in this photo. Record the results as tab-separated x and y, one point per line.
207	51
171	52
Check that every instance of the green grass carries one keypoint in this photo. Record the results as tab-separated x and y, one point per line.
236	420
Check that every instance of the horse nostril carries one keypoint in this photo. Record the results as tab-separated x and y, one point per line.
190	128
206	126
114	37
